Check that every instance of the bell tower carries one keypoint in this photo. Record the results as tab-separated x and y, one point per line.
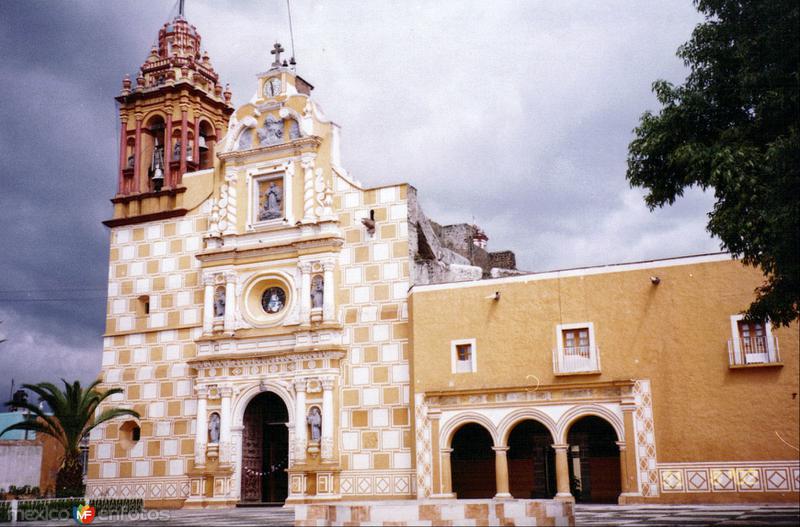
171	118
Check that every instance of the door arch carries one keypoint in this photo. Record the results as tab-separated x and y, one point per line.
594	460
265	450
531	461
472	462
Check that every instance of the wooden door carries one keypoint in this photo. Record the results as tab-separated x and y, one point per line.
252	453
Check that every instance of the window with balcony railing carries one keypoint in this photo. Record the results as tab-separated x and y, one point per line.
576	351
752	344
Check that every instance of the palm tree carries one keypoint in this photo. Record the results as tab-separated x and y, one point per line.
72	418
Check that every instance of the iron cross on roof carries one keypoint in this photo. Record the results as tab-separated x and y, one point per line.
278	49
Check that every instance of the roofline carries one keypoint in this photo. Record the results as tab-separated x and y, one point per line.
580	271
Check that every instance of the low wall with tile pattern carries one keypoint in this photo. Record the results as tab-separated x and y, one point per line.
438	512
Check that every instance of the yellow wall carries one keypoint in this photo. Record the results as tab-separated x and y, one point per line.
675	334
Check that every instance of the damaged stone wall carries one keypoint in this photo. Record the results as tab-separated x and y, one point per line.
448	253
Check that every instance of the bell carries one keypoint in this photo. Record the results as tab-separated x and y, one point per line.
158	178
201	143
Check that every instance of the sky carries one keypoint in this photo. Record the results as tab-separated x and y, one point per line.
514	115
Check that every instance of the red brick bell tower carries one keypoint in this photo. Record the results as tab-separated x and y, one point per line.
172	116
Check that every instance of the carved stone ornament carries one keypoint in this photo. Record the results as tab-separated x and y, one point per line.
272	132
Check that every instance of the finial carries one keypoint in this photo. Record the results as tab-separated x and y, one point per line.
180	8
278	49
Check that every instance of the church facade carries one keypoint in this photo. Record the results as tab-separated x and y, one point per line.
289	335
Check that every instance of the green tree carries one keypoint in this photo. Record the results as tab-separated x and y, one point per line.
733	127
72	418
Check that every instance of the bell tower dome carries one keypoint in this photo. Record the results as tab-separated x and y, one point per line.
171	115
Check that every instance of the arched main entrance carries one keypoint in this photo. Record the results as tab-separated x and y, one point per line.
531	461
472	462
265	450
594	461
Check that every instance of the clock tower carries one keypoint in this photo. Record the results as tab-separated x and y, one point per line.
171	117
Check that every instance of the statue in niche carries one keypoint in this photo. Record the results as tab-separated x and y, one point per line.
131	160
272	132
315	420
245	140
219	303
294	130
271	209
213	428
317	292
176	150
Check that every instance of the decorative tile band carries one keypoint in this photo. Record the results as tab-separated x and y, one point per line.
757	476
149	489
377	484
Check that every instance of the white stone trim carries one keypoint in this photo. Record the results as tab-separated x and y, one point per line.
586	271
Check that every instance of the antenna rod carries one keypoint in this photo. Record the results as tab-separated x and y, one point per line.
291	32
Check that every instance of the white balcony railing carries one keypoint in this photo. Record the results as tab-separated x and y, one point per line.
577	359
753	350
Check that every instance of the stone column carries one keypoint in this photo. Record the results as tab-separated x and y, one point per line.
501	471
184	141
434	416
208	304
168	149
300	420
123	152
623	467
447	475
196	143
629	470
137	154
327	419
305	292
225	439
201	428
562	473
307	162
328	300
230	302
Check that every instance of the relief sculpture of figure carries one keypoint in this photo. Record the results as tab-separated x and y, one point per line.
271	209
315	420
219	303
213	428
317	293
272	132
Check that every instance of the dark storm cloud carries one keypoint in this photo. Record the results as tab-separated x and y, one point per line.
515	113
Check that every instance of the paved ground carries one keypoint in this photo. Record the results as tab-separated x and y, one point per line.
605	515
693	515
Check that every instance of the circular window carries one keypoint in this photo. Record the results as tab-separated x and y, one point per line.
273	300
268	298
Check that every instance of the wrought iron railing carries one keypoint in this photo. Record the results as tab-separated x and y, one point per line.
753	350
576	359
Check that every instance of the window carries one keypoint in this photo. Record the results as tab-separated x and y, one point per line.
463	356
575	351
143	306
752	343
129	434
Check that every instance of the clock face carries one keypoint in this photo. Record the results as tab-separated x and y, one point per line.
272	87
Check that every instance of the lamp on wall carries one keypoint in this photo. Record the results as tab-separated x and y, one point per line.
655	280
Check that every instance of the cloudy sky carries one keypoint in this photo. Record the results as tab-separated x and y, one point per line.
517	114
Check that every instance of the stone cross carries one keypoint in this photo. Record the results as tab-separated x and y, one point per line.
277	52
